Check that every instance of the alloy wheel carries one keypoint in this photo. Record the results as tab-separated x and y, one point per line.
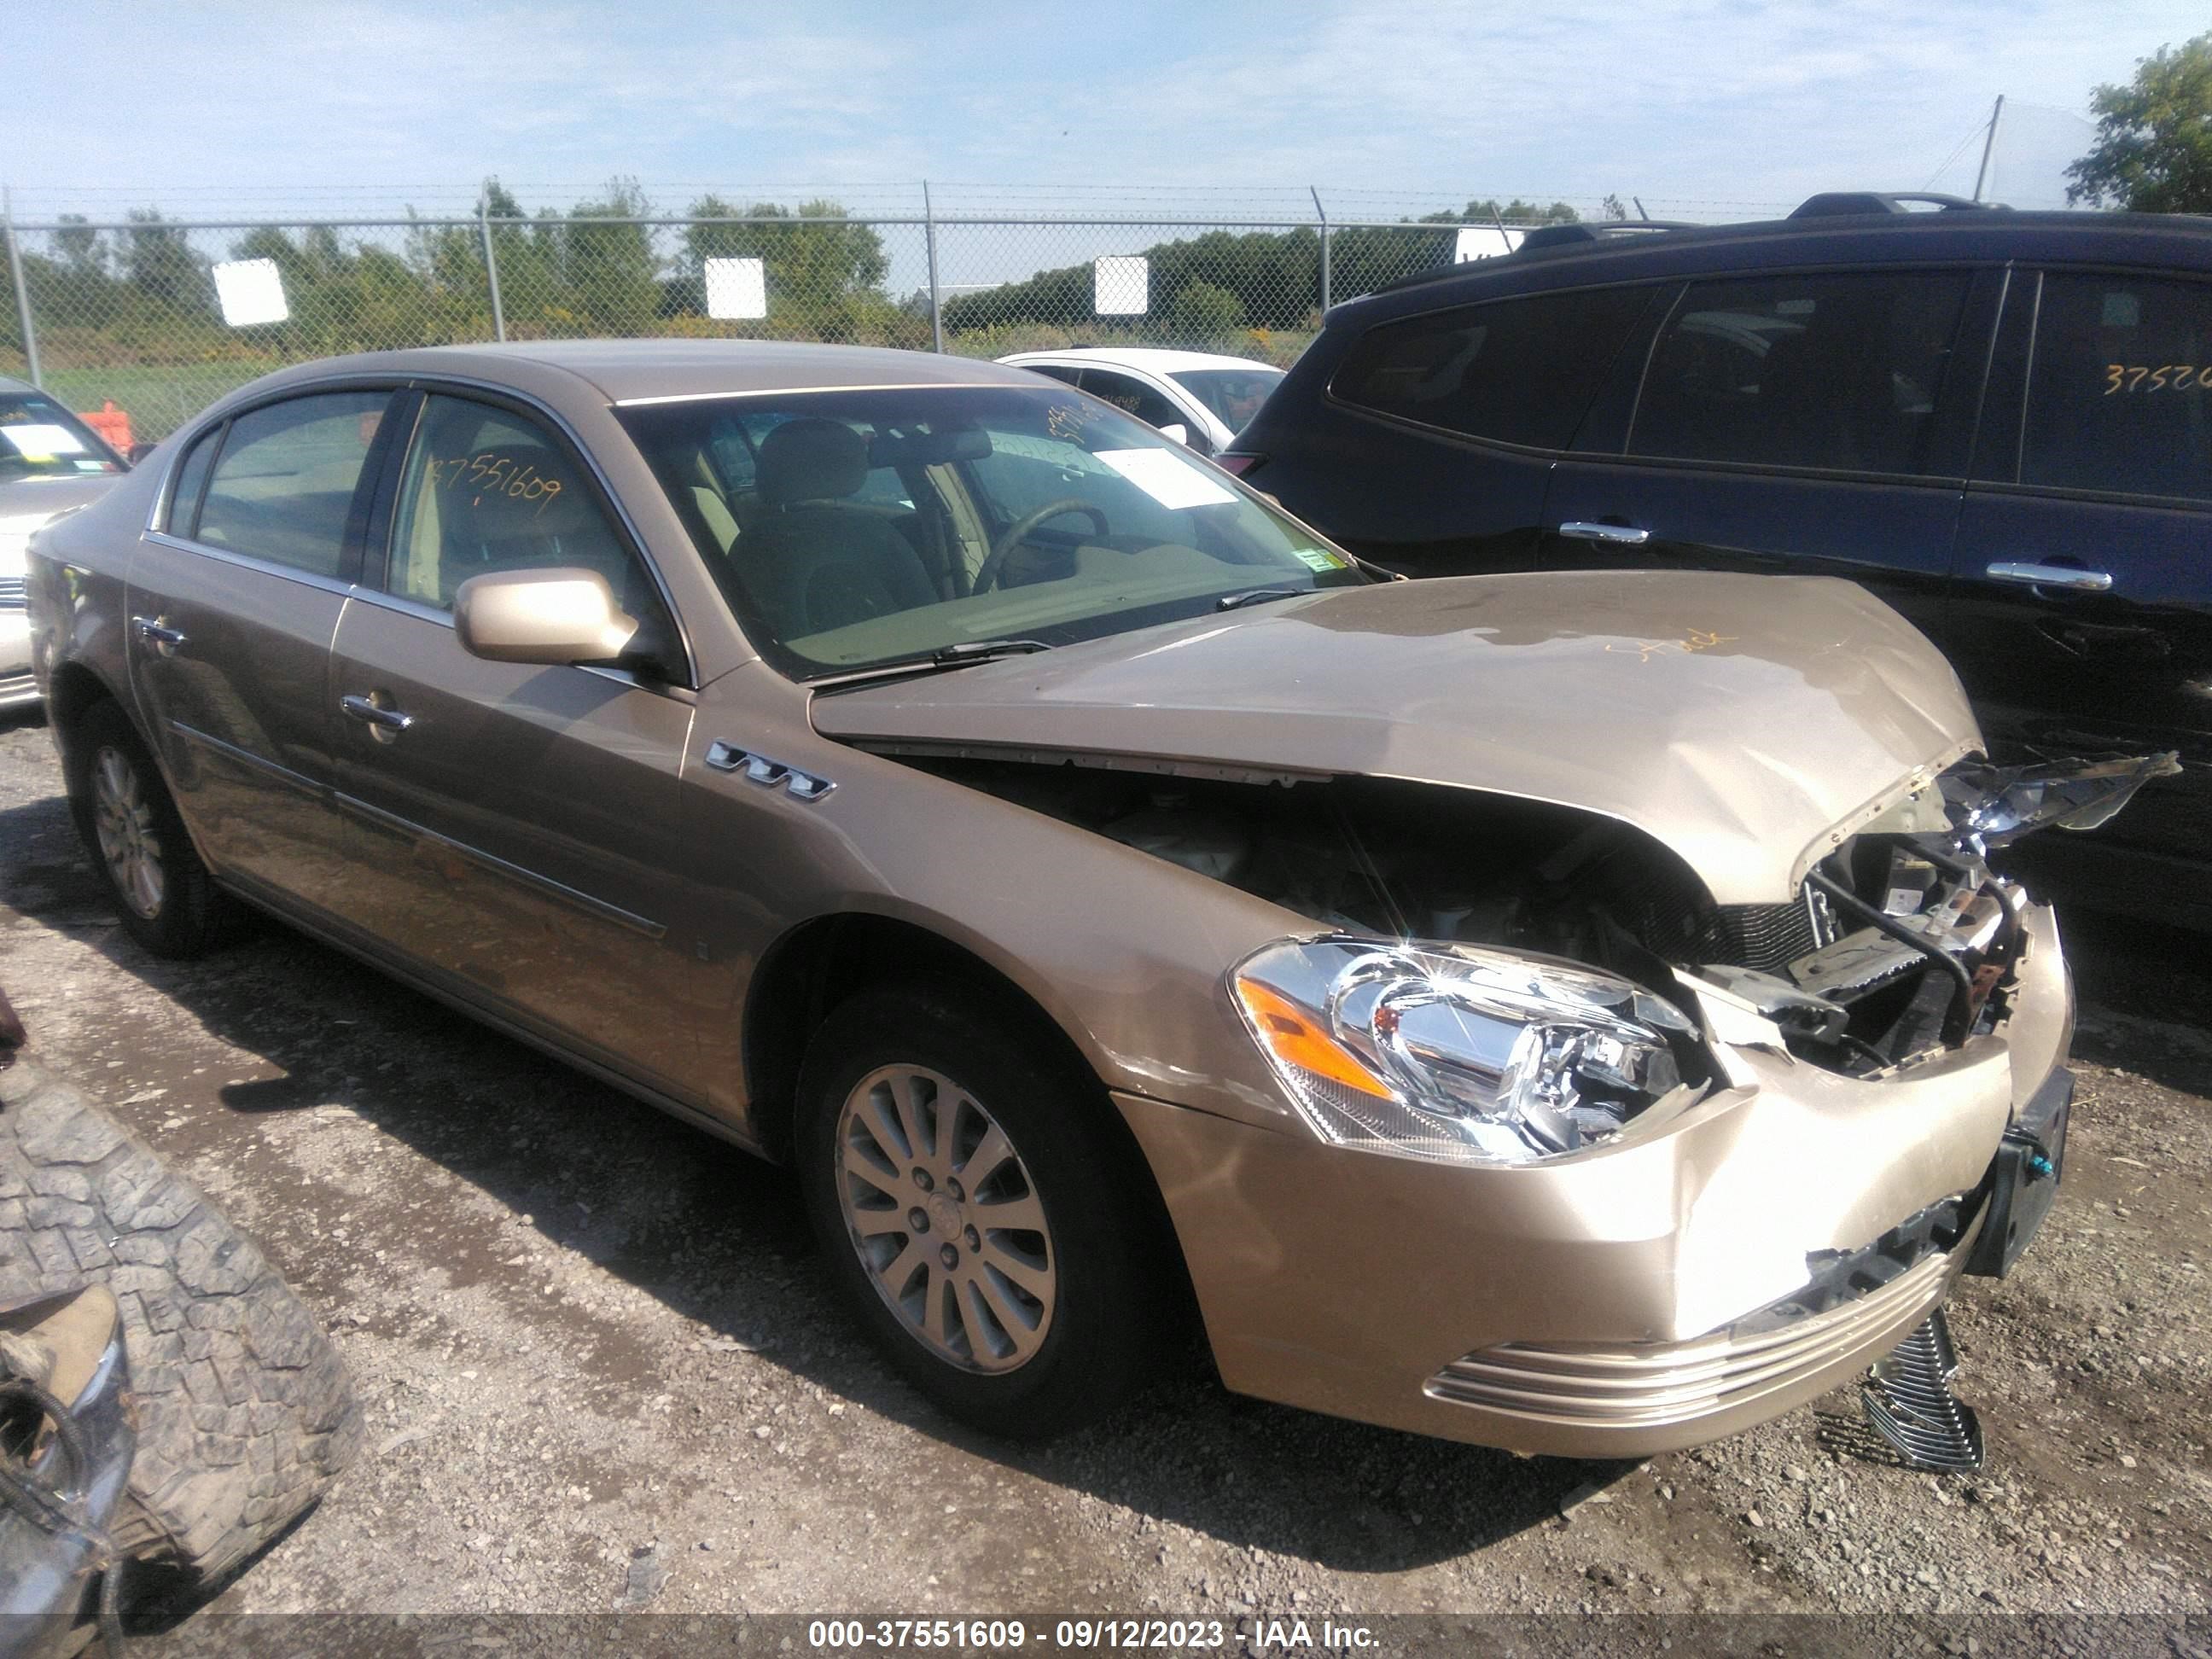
945	1216
129	841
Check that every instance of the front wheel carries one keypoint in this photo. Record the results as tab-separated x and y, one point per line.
975	1210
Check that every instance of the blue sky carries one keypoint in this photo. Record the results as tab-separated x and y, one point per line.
1698	105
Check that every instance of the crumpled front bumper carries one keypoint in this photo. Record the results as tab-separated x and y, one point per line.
1363	1286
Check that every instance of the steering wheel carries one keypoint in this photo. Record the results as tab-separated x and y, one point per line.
1021	528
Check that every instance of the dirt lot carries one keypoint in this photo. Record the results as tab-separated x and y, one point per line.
601	1369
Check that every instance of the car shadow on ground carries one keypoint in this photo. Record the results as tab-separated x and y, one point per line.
718	1238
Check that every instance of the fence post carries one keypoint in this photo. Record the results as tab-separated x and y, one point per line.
23	293
929	241
1322	214
491	270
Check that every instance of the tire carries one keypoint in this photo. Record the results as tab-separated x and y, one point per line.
116	794
246	1412
1034	1365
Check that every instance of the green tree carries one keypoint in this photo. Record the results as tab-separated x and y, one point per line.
160	264
611	271
2153	148
1202	313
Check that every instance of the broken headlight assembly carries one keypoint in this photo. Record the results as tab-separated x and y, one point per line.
1457	1054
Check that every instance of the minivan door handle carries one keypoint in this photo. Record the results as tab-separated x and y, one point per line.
1618	535
152	630
2070	578
382	718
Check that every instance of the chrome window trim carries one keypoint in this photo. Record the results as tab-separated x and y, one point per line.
807	391
248	562
415	609
402	604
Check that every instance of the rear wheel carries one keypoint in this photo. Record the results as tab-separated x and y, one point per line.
977	1211
130	825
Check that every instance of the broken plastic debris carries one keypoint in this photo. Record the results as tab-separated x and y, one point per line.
1998	805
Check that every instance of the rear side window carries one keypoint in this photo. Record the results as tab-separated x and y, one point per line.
1515	371
1840	373
1131	397
284	485
2120	387
192	479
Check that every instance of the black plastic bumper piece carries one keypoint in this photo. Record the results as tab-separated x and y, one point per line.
2024	1177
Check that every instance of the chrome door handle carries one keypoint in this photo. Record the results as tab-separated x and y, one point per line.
151	630
384	720
1618	535
2066	576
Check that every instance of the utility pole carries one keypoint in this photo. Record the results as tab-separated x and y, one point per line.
1996	113
929	240
491	268
1322	213
23	293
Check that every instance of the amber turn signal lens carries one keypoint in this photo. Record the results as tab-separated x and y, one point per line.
1293	1038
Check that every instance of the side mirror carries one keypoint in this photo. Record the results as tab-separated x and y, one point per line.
551	617
139	452
1178	431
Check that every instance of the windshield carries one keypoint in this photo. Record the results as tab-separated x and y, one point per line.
849	529
40	438
1233	394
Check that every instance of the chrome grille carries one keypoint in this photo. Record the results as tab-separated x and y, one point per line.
1632	1385
14	593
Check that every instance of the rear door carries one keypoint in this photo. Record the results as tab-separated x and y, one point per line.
1811	424
1150	403
517	825
2085	556
232	605
1437	433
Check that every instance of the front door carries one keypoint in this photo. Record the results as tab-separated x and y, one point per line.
517	824
232	607
1808	424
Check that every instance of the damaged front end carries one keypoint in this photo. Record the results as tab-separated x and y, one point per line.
1697	1161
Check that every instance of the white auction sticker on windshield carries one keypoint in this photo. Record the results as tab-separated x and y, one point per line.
1165	476
41	441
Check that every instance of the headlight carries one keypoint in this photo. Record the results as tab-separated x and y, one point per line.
1454	1052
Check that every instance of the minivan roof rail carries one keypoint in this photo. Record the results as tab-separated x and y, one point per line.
1597	230
1837	204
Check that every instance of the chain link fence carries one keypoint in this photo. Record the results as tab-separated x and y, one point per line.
157	317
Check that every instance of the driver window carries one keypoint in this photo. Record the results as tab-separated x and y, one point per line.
487	490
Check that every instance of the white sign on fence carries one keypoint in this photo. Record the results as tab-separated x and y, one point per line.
1485	242
737	288
1121	285
251	291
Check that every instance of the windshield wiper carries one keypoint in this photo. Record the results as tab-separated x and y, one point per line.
982	651
1257	596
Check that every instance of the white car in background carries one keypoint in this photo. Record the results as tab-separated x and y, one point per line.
1198	398
50	462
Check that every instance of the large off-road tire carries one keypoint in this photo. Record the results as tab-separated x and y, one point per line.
246	1413
1028	1298
133	833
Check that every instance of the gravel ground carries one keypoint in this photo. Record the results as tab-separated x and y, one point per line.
601	1368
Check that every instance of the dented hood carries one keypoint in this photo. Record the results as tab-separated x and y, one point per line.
1743	722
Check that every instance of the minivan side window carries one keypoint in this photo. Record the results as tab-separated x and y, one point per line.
284	485
2119	393
1837	372
1515	371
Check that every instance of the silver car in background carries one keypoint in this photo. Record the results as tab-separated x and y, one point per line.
50	463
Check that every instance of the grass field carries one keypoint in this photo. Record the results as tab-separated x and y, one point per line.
159	399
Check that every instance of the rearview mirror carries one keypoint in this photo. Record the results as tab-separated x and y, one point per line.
551	617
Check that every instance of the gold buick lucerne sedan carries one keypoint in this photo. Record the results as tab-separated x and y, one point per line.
1570	1013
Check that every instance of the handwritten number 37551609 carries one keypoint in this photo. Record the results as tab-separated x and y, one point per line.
488	473
2167	377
